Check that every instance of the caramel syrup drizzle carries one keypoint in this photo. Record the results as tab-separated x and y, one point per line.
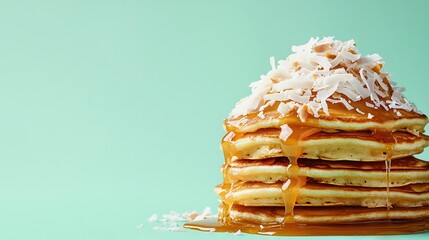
299	229
386	137
292	149
229	151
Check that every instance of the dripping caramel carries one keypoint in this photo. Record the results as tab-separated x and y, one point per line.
298	229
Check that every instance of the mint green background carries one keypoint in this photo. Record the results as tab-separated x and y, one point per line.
112	110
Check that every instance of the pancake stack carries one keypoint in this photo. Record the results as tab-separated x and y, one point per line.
325	137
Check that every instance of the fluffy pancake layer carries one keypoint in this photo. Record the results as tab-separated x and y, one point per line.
356	146
315	194
403	171
325	215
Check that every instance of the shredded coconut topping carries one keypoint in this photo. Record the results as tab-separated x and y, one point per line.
322	71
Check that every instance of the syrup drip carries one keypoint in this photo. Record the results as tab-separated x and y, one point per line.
292	149
386	136
229	151
297	229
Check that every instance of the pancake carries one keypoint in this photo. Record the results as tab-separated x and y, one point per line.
325	215
340	118
315	194
403	171
357	146
324	137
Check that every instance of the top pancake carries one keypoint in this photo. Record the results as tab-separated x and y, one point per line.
326	84
339	118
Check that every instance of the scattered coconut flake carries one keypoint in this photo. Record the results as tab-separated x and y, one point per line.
172	228
237	233
316	72
302	113
398	113
369	105
273	63
170	222
286	131
261	115
359	111
173	216
153	218
383	105
191	215
207	213
283	108
370	116
229	137
286	184
343	101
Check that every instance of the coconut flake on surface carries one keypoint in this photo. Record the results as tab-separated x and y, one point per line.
170	222
140	225
370	116
317	71
153	218
285	133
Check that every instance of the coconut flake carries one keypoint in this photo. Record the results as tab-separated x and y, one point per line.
273	63
286	131
369	105
293	84
346	104
170	222
370	116
359	111
286	184
229	137
153	218
284	108
302	113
